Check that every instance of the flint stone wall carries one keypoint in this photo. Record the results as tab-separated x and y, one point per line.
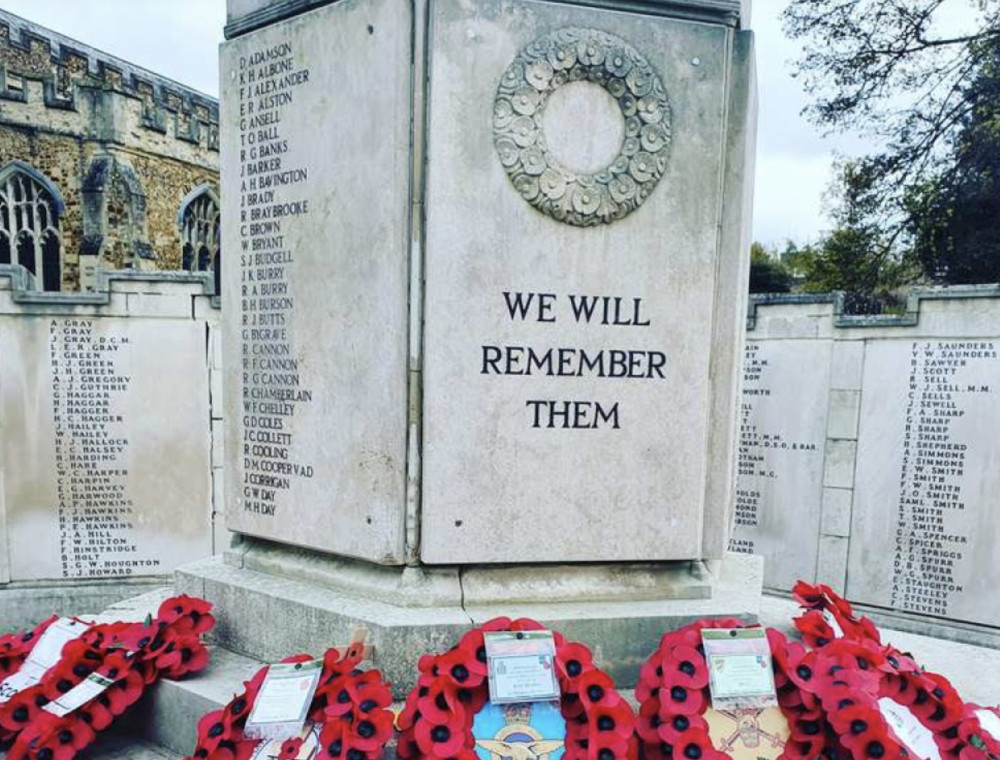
870	458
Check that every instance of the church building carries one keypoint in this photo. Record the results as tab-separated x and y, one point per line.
103	164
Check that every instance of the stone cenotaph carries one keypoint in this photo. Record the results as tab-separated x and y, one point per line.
483	322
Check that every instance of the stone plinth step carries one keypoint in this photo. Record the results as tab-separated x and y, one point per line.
119	745
268	616
168	713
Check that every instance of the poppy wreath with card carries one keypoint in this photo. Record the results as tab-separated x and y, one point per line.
436	722
673	694
852	676
821	601
15	647
886	672
350	706
127	656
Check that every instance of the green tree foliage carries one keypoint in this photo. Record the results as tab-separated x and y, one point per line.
767	275
857	256
954	218
900	71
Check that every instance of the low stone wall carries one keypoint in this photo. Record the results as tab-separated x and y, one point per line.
870	454
110	438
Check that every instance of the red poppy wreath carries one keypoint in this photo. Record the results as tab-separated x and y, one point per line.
436	722
348	717
674	698
15	647
882	706
101	674
829	616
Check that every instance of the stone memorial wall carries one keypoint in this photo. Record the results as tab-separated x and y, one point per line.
107	463
869	453
322	286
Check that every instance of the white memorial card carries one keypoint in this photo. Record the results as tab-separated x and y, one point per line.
282	704
45	654
521	666
831	621
913	734
739	667
90	687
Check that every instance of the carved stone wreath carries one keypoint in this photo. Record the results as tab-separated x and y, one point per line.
582	55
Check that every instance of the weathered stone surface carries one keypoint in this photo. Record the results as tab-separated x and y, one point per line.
616	468
624	632
95	484
119	745
315	146
24	605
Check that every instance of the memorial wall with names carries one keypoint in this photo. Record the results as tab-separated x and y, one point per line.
315	133
781	446
906	413
106	467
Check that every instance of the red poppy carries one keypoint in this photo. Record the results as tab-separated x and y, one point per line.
20	709
673	727
808	595
474	643
440	740
440	704
290	748
408	715
372	730
497	624
212	730
100	716
597	689
648	721
684	666
342	696
190	613
457	666
853	719
618	719
815	630
334	738
607	745
678	699
695	744
572	661
950	710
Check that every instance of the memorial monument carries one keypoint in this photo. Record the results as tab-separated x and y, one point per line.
483	321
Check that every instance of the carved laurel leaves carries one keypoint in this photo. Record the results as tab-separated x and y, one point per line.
572	55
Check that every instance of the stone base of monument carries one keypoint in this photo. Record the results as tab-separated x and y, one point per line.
271	601
26	603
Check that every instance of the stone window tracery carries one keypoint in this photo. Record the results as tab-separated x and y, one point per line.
200	234
29	225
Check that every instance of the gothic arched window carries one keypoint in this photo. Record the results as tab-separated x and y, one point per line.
199	221
29	224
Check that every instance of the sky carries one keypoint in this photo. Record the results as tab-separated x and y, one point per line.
179	39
